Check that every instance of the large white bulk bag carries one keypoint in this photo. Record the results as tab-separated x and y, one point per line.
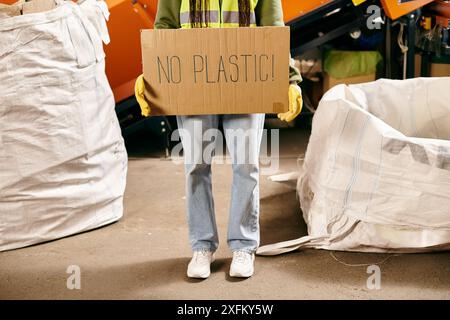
62	158
377	169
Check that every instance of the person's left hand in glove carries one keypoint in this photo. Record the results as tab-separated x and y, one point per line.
139	89
295	104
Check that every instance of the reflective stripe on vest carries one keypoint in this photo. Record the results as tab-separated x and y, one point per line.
226	16
212	15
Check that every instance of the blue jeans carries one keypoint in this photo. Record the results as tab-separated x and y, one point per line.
243	135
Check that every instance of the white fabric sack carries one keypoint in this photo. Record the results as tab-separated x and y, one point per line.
97	13
377	169
63	162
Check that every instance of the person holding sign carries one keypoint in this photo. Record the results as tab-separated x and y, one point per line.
243	135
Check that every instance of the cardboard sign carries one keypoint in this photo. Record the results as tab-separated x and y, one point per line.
216	71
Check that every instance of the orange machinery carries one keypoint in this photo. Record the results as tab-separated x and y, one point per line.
123	54
441	10
395	10
293	9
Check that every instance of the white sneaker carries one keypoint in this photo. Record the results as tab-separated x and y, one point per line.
199	267
242	264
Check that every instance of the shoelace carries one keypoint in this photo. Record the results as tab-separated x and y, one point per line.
202	256
241	256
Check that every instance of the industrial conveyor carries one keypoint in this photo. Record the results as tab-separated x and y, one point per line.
319	21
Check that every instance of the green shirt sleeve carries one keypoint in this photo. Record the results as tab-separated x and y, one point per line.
168	14
270	13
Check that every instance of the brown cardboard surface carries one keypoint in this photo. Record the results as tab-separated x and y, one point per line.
436	69
440	70
7	11
36	6
417	63
329	82
216	71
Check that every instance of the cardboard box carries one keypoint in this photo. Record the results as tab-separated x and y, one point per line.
329	82
440	70
436	69
7	11
216	71
21	7
36	6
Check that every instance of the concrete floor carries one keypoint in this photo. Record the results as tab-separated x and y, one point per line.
144	255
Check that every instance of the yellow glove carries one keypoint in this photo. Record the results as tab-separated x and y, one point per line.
139	89
295	104
358	2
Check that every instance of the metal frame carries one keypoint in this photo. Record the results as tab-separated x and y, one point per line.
301	27
391	49
427	59
160	125
411	37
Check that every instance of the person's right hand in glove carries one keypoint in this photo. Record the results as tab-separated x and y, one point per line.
139	89
295	104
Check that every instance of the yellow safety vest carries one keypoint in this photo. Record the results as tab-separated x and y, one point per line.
222	13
